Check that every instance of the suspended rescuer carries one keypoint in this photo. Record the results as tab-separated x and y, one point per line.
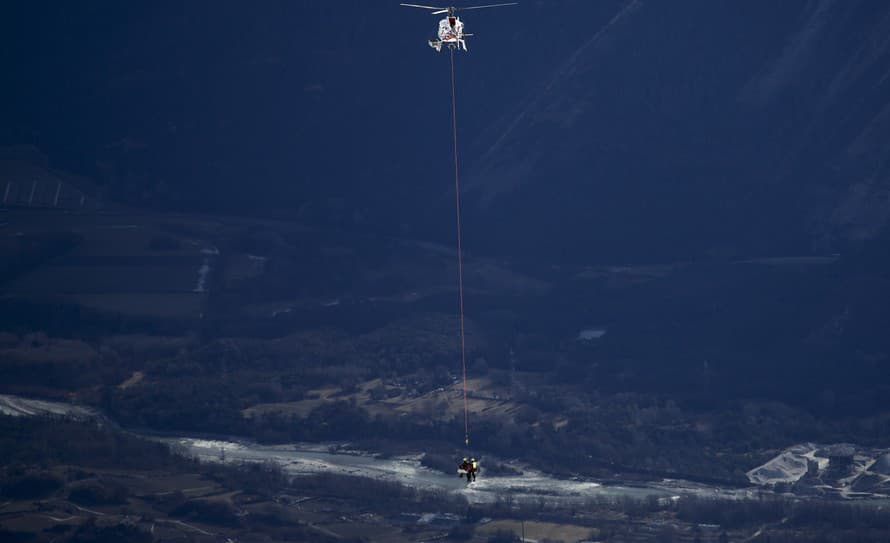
464	469
468	467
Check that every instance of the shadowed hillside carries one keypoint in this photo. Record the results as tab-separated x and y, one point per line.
592	132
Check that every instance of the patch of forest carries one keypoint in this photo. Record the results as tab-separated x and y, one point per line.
106	485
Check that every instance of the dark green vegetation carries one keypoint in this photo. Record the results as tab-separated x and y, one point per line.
71	481
304	334
75	481
704	371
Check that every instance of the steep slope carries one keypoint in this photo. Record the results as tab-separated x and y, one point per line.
679	130
620	130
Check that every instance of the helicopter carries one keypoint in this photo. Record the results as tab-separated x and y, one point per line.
451	28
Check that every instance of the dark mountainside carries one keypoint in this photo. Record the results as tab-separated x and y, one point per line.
615	132
762	132
591	133
222	219
697	134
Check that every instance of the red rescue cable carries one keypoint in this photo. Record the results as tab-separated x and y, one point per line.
460	265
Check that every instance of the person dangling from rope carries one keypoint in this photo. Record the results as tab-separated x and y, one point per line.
468	468
451	32
463	470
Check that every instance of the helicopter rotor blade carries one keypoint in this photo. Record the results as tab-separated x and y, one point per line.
424	7
487	6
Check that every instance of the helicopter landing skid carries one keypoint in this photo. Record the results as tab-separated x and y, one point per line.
437	44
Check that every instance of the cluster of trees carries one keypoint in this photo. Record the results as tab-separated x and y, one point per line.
51	440
39	453
784	520
701	519
92	532
206	392
71	320
33	446
21	254
205	386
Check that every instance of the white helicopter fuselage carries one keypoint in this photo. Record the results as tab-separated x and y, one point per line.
451	31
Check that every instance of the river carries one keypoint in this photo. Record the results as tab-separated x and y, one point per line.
310	459
301	459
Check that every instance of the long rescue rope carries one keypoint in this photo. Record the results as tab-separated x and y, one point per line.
460	264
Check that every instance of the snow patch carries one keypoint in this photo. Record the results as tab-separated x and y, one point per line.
14	406
212	444
309	459
203	271
589	334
